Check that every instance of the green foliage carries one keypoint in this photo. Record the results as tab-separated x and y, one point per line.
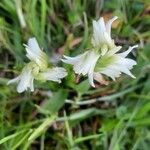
53	105
72	115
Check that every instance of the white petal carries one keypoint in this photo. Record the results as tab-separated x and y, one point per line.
90	76
91	73
34	53
123	69
124	65
33	49
91	69
127	62
111	72
98	32
101	24
13	80
101	33
114	50
72	60
108	25
31	84
26	80
120	65
87	61
33	45
84	63
54	74
108	40
127	71
124	54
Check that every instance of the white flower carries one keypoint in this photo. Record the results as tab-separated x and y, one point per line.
54	74
37	68
24	80
112	64
84	64
102	33
102	58
35	54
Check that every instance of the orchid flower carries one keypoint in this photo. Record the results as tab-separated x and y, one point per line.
24	80
102	33
102	57
35	54
37	68
112	64
84	64
54	74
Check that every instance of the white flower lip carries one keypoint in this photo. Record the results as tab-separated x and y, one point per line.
124	54
84	64
54	74
24	80
34	53
119	65
102	32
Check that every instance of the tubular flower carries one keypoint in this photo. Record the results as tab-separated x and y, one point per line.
112	64
84	64
35	54
54	74
37	68
24	80
103	57
102	33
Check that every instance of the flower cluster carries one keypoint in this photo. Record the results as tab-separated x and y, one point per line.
102	59
37	68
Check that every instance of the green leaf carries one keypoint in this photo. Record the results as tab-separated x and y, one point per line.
108	125
82	114
55	102
82	87
5	139
121	111
22	139
143	111
69	131
90	137
43	127
140	122
77	117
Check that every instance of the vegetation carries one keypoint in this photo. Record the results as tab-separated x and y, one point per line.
73	115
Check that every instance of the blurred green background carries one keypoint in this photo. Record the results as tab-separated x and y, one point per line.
118	120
